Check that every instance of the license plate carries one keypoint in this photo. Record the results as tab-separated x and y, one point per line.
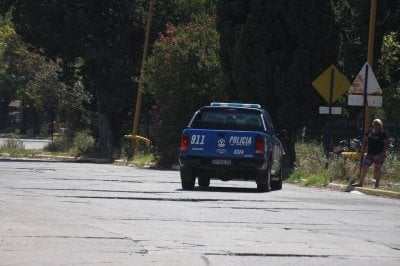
221	162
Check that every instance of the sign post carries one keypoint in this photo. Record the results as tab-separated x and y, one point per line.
365	125
331	85
365	87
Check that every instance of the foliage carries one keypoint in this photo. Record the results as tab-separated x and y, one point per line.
31	78
15	147
6	92
60	145
195	7
389	73
13	143
310	159
83	144
6	31
106	37
80	144
353	17
271	51
316	180
391	168
182	74
312	168
143	160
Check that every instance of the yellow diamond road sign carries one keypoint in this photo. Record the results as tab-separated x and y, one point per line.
323	84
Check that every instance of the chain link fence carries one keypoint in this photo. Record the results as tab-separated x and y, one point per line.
346	131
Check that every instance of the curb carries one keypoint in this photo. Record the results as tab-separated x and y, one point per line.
365	190
72	159
45	157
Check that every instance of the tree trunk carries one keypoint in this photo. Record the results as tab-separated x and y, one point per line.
289	145
4	118
106	138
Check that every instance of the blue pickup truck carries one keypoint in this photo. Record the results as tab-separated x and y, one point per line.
231	141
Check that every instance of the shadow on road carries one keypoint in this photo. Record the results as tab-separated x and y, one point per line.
225	189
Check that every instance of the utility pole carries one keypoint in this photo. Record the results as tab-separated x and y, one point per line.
134	137
370	58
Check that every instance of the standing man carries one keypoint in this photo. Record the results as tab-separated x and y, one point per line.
377	141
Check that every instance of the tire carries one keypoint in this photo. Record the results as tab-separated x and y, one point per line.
264	181
187	178
204	181
277	185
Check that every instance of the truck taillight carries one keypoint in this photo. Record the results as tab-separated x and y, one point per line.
184	143
260	146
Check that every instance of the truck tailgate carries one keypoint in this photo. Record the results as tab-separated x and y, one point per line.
222	143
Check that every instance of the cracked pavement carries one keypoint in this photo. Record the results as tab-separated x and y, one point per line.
60	213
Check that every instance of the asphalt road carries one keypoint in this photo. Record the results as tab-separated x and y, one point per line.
58	213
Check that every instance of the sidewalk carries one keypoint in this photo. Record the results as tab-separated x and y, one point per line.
365	190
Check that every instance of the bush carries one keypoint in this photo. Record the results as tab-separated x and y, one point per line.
60	144
80	144
183	74
84	143
391	168
310	158
314	167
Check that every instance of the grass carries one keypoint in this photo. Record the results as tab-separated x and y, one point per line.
14	147
314	169
143	160
316	180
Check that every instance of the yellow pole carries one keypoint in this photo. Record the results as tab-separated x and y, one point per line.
141	80
371	42
370	58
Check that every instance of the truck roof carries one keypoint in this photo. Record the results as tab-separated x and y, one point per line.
244	105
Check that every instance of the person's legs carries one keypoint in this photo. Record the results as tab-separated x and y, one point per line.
364	169
377	173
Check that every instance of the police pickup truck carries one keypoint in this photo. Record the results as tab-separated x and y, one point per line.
231	141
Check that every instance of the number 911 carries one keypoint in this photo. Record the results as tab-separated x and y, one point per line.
197	139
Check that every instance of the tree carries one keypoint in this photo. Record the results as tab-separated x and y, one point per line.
389	73
182	74
271	51
6	92
107	37
354	17
31	78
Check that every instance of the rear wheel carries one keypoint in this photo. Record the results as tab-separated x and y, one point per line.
277	184
187	178
204	181
264	181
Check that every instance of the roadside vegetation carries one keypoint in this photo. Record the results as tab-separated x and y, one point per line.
79	146
314	169
14	147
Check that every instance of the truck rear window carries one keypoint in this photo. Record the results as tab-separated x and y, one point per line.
228	119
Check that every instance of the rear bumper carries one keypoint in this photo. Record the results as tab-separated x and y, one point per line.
239	168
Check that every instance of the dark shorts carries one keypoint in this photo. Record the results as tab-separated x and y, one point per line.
377	160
